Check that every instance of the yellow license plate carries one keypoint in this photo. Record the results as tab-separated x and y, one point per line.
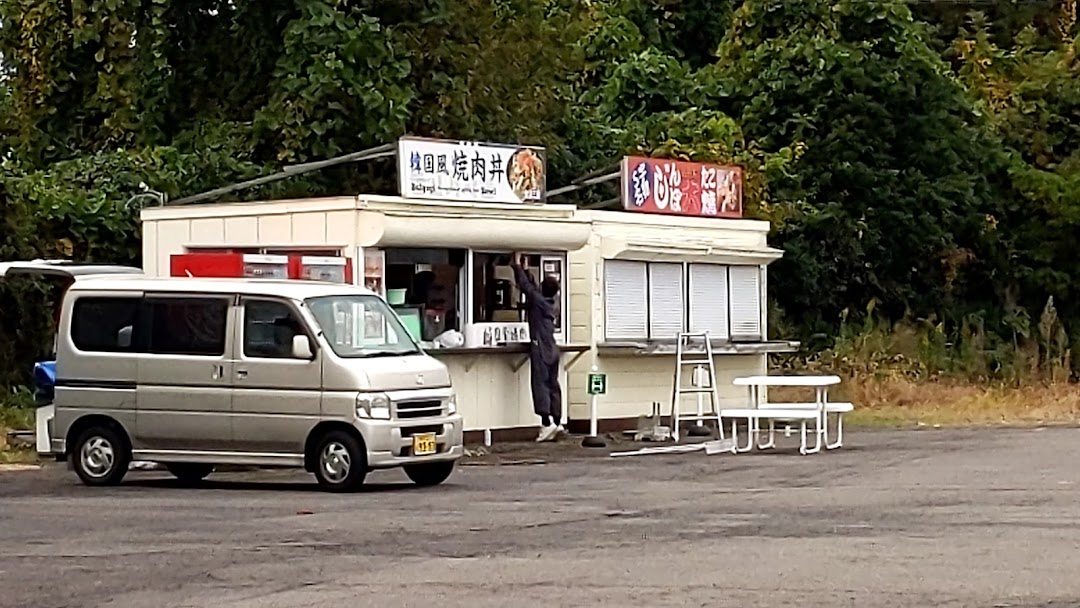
424	444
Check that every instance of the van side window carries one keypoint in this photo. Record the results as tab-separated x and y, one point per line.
187	326
104	324
269	328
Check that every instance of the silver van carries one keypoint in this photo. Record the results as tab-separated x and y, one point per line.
193	373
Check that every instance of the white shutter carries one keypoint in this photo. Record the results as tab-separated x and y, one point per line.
745	302
667	306
709	300
625	300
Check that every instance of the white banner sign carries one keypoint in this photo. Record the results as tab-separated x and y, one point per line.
471	171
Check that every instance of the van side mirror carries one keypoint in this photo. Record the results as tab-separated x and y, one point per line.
301	348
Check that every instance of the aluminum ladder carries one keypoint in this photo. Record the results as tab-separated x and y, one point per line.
702	358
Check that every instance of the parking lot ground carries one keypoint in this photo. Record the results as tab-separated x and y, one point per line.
984	518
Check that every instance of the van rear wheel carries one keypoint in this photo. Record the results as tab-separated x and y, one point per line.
101	456
189	472
341	462
429	474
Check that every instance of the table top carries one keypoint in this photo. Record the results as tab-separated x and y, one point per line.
816	381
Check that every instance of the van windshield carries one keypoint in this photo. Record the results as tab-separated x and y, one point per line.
361	326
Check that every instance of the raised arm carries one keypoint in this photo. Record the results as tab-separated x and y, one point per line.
525	281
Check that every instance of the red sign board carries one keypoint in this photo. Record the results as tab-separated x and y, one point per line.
675	187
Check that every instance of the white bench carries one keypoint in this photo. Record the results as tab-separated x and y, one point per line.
818	411
754	416
837	408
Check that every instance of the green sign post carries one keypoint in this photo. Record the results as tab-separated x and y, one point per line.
597	384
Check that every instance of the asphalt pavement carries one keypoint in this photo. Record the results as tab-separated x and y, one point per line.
984	518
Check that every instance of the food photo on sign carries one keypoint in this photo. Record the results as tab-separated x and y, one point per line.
675	187
471	171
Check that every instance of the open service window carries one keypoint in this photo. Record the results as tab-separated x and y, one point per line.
424	286
655	301
496	297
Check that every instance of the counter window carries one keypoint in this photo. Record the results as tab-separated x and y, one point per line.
496	297
709	300
667	301
656	300
626	300
424	287
744	289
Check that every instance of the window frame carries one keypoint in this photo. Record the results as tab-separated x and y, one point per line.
562	332
241	321
147	321
137	325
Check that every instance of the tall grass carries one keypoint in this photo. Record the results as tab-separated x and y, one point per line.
918	371
924	350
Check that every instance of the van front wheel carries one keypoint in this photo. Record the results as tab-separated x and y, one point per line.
430	474
341	462
101	457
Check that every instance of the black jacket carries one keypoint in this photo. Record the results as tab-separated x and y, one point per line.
541	313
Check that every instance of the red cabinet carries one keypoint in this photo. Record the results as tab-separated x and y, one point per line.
237	264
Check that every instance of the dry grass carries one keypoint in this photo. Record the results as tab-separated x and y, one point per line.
898	402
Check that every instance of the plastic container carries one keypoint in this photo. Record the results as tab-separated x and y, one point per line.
396	297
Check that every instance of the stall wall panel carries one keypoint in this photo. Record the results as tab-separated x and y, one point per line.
149	248
309	228
581	296
729	234
172	235
491	394
275	229
241	230
634	382
341	228
207	231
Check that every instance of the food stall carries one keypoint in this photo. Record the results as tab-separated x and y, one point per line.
440	254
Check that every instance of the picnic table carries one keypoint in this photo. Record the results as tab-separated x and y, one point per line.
815	412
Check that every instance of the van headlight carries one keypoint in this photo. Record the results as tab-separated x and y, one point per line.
373	405
451	404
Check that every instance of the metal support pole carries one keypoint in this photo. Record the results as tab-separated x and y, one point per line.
593	440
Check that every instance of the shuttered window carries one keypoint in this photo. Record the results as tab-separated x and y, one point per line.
709	300
625	300
745	296
667	301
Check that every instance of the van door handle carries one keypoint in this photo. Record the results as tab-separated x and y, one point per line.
241	373
218	373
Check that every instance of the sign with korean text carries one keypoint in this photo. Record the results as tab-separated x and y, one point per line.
471	171
675	187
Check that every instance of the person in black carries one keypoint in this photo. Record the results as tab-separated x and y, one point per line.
543	351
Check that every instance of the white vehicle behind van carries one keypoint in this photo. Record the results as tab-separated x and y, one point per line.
193	373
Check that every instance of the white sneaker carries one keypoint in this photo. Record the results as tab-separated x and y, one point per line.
547	433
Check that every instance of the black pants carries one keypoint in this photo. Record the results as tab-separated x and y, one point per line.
546	392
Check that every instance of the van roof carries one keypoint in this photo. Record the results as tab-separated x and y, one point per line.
297	290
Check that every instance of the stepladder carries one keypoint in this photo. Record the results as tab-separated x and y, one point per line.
693	352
